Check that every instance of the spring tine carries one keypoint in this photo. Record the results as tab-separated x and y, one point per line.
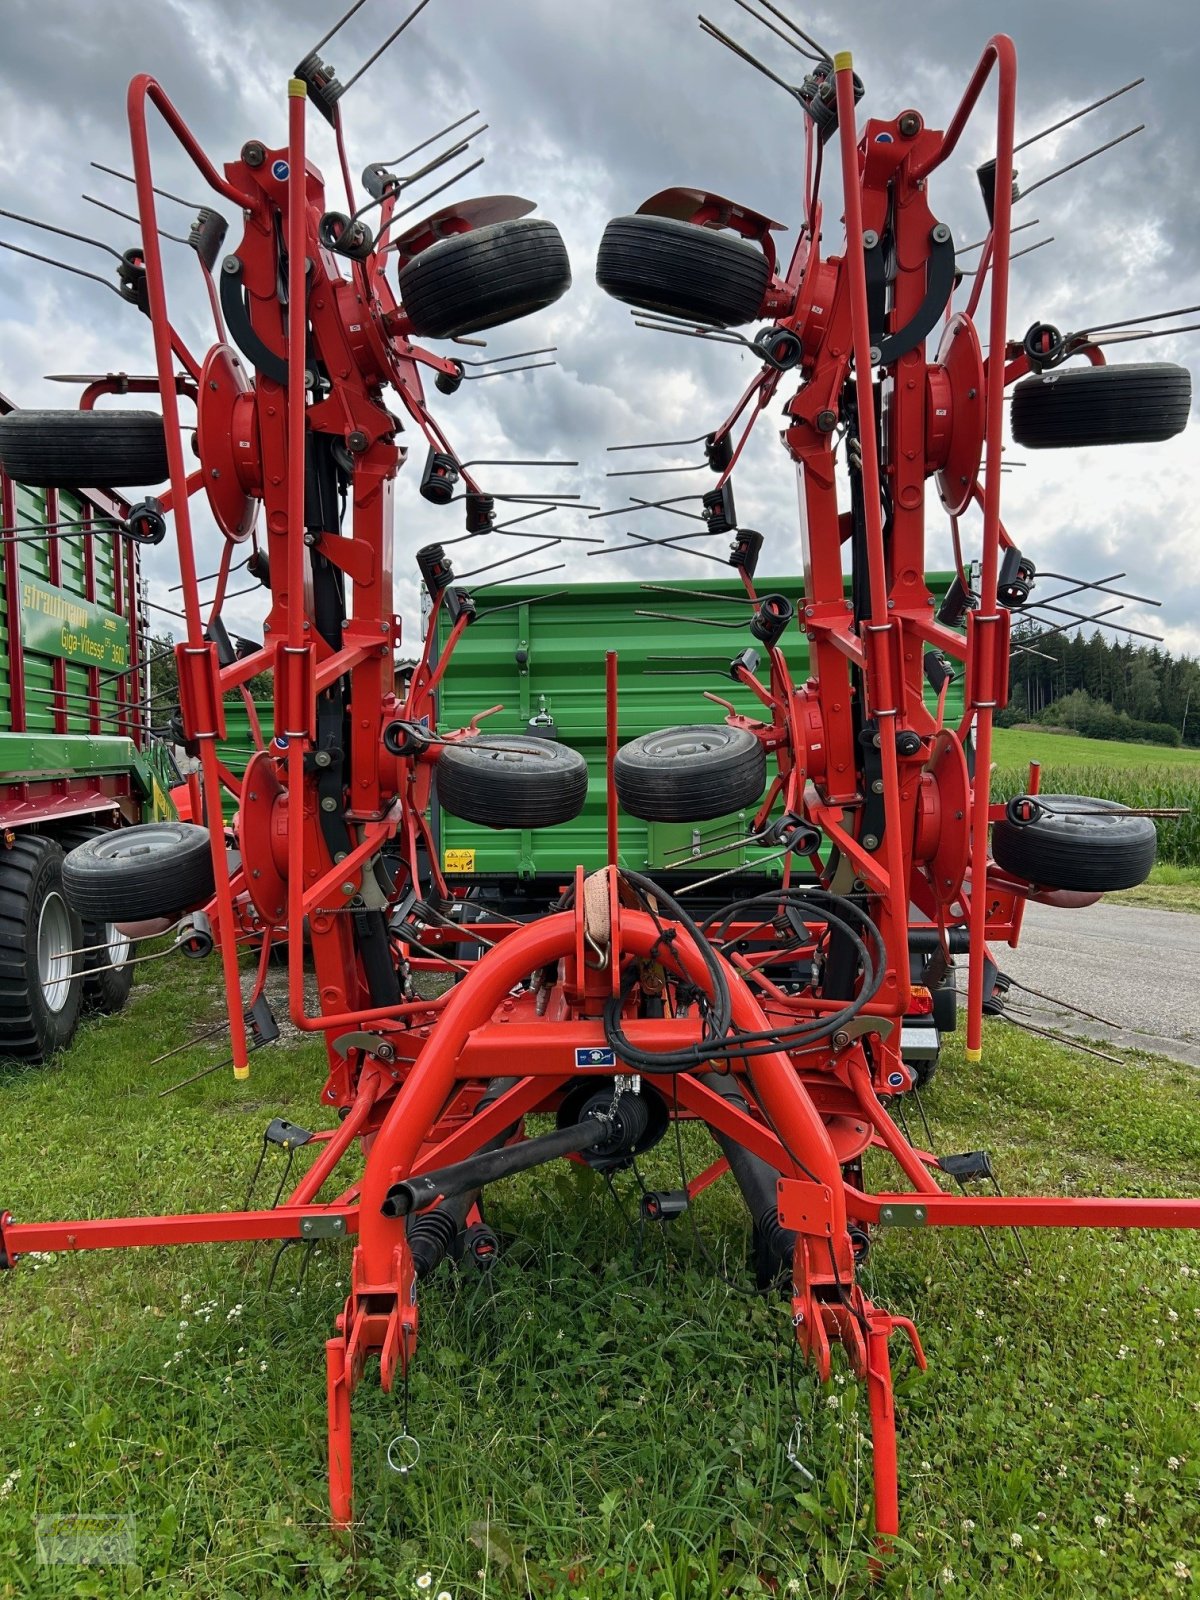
64	233
387	43
432	139
209	576
961	250
778	32
341	23
704	622
653	472
517	355
1076	115
714	32
449	154
129	217
62	266
659	444
822	52
189	1044
700	594
205	1072
1119	627
522	577
703	883
165	193
425	199
645	505
511	605
970	272
1150	333
1125	322
546	544
530	366
664	505
689	333
501	461
1071	165
464	538
674	543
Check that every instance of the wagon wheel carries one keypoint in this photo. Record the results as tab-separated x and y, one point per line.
158	869
41	983
511	781
690	773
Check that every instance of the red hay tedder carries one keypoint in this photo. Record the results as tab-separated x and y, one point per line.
775	1020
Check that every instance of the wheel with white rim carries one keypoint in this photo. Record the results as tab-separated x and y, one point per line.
107	967
41	984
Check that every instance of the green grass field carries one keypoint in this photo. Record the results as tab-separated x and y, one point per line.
1139	775
595	1421
1011	747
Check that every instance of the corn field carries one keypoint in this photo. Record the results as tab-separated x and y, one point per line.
1148	786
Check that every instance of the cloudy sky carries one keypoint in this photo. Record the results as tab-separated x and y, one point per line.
593	105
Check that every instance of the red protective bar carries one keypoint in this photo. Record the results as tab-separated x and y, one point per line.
296	347
204	1227
943	1210
143	88
880	630
982	688
610	711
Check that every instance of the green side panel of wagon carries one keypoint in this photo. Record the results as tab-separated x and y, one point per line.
537	653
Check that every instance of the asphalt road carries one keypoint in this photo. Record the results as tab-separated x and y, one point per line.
1137	967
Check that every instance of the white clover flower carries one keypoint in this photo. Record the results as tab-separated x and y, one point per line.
968	1525
1015	1540
1122	1352
1173	1463
1062	1469
1130	1498
947	1574
1100	1520
1172	1315
1181	1570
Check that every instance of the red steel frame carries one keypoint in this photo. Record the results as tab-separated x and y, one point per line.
409	1075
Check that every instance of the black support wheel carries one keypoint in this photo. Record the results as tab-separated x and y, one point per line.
41	987
485	277
1077	842
663	265
511	781
1139	403
690	774
102	449
157	869
106	962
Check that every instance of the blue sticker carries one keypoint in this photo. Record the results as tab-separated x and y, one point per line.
884	138
280	170
896	1080
595	1056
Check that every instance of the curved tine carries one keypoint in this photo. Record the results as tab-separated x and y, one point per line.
502	461
778	32
515	355
825	55
65	233
653	472
432	139
387	43
1071	165
1125	322
961	250
1074	116
506	372
338	25
521	577
62	266
658	444
714	32
424	200
115	172
129	217
643	505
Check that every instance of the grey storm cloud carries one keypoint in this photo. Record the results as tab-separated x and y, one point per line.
592	106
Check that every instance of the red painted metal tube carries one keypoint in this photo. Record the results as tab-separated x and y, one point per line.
987	618
370	1084
211	1227
610	718
880	627
431	1082
943	1210
143	89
